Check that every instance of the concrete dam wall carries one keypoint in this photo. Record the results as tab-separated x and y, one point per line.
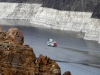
53	18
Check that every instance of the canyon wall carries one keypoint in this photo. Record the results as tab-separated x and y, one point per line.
40	15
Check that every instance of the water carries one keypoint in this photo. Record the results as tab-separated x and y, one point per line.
74	53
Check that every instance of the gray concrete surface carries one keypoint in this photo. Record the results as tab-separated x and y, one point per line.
73	53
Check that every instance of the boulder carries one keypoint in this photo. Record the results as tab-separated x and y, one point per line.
15	36
67	73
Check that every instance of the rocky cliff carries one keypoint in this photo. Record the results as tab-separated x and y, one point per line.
68	5
74	15
96	12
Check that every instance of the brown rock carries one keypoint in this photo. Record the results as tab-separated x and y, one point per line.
19	59
0	29
15	36
67	73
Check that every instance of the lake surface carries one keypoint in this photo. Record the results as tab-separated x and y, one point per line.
80	56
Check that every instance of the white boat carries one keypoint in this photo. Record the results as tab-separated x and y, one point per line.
52	43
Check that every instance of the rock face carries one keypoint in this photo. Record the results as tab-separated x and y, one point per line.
96	12
68	5
19	59
67	73
15	36
73	15
12	36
